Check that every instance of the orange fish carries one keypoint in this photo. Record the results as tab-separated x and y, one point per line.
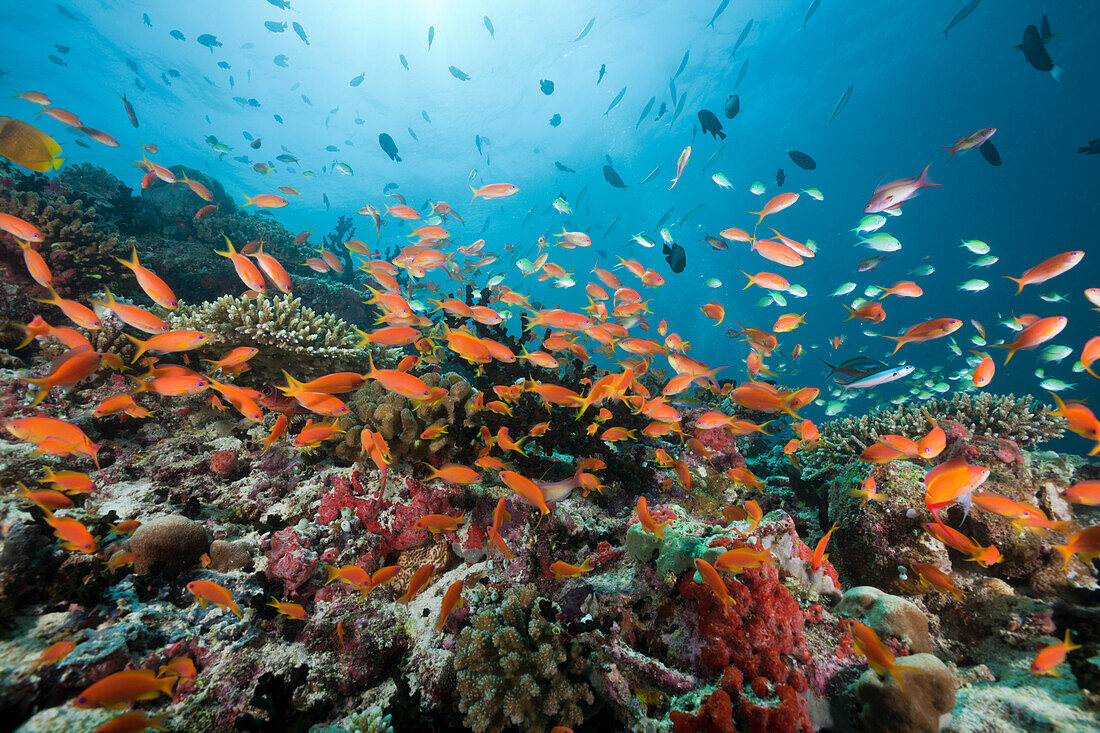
500	515
867	491
273	269
714	311
454	473
740	559
932	577
436	523
983	373
72	367
494	191
247	271
417	583
867	643
1090	352
1080	420
767	280
1037	333
984	556
36	266
265	201
1085	543
926	331
353	575
775	205
131	315
1053	655
820	556
565	570
79	314
714	581
334	383
312	435
777	252
648	523
153	286
71	482
206	591
74	535
53	654
1047	269
902	289
170	342
123	688
291	610
400	383
1082	492
451	600
872	312
788	322
527	489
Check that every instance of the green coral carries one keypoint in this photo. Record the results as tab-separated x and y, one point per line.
515	666
288	334
374	720
1023	420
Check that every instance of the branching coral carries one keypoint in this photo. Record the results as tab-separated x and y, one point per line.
515	666
1022	420
286	333
401	421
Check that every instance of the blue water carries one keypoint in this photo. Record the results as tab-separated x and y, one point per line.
914	92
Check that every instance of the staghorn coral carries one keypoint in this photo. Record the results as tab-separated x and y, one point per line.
401	421
1022	420
287	334
515	666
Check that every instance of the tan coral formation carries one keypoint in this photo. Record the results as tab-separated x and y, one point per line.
73	228
289	335
401	421
515	667
1022	420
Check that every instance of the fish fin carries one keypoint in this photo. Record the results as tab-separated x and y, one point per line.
923	179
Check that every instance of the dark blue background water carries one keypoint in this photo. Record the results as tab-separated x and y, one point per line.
915	91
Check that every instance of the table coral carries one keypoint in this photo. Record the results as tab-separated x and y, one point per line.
287	333
1023	420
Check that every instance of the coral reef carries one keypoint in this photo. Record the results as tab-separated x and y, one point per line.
286	332
514	666
173	542
1005	417
401	421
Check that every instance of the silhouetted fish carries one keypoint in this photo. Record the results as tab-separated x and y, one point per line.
675	257
990	153
613	177
802	160
389	147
